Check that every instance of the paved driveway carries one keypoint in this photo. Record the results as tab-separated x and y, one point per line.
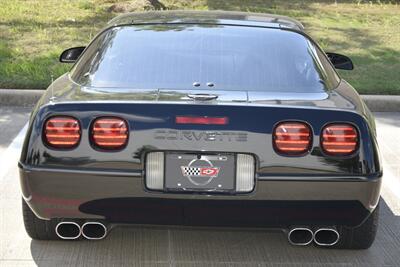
168	246
11	122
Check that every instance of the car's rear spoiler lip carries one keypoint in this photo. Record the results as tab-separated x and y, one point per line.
29	168
319	178
283	177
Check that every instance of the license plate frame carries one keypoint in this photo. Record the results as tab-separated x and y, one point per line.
200	172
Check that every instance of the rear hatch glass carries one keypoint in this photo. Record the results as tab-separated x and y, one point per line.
204	57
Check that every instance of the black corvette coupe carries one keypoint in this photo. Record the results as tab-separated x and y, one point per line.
202	119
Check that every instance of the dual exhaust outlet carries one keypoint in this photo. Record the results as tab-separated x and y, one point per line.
90	230
299	236
303	236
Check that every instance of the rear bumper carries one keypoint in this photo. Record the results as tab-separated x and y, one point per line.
122	198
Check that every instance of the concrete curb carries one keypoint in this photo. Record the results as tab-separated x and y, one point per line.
19	97
382	103
25	97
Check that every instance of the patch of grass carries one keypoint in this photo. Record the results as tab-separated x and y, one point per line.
33	34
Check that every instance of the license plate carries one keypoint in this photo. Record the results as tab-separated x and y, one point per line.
200	172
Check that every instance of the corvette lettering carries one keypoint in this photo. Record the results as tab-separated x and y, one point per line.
200	136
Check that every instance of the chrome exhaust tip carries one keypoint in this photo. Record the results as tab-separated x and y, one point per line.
300	236
94	230
326	236
68	230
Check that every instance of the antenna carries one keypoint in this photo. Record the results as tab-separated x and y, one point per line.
52	88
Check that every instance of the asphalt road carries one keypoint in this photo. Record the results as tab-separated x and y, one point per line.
174	246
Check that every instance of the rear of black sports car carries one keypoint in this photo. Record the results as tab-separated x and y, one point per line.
202	119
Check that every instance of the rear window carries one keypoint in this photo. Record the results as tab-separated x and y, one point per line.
229	57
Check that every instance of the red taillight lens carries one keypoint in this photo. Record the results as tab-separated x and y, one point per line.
110	133
292	138
62	132
339	139
201	120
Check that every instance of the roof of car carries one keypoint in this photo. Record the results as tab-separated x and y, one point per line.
207	17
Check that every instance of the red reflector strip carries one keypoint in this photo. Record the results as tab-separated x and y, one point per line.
291	142
201	120
292	134
61	120
109	129
339	139
340	143
110	144
333	128
112	121
340	135
62	128
63	143
62	132
341	151
110	137
297	149
62	135
292	126
292	138
110	133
